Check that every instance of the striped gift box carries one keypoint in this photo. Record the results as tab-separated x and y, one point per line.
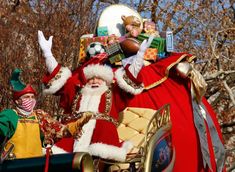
158	43
115	52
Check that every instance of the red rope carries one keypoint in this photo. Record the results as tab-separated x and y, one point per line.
47	158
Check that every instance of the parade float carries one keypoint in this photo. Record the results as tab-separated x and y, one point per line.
159	122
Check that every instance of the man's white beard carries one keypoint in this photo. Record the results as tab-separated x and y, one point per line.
91	97
99	90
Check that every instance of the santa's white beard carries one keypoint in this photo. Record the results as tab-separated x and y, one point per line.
91	97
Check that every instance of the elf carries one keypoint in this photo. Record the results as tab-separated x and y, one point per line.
21	127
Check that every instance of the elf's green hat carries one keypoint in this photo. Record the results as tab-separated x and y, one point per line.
19	88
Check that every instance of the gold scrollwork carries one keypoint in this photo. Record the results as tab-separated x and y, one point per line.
161	117
83	161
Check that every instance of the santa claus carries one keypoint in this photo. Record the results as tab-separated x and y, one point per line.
91	94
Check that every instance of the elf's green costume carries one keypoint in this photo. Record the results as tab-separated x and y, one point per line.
23	125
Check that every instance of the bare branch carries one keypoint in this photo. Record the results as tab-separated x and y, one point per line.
217	74
153	11
231	168
230	92
180	27
170	16
213	43
231	124
141	5
110	1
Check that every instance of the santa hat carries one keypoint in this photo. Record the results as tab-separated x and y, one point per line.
19	88
95	68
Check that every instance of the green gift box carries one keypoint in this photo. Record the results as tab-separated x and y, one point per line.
158	43
102	31
116	58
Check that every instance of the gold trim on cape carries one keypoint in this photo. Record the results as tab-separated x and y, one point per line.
148	87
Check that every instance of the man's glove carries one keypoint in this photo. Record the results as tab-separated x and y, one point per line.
45	46
75	127
138	60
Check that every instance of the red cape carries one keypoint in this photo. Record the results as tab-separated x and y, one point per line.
163	86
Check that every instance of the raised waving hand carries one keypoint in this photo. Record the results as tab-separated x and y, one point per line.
46	46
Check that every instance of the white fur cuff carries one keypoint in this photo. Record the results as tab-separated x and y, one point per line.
110	152
124	85
56	84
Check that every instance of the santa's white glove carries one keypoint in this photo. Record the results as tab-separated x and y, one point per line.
46	45
138	60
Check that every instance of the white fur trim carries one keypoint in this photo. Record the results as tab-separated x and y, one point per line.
110	152
122	83
84	141
90	101
127	145
57	150
59	83
103	71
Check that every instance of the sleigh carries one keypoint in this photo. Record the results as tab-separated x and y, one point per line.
149	131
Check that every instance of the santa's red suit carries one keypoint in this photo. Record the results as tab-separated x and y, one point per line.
99	136
163	85
195	132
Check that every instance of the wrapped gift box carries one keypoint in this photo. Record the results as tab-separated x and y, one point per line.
115	52
158	43
84	42
161	55
102	31
113	49
116	58
151	54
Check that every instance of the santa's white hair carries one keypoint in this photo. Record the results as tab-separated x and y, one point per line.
101	71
